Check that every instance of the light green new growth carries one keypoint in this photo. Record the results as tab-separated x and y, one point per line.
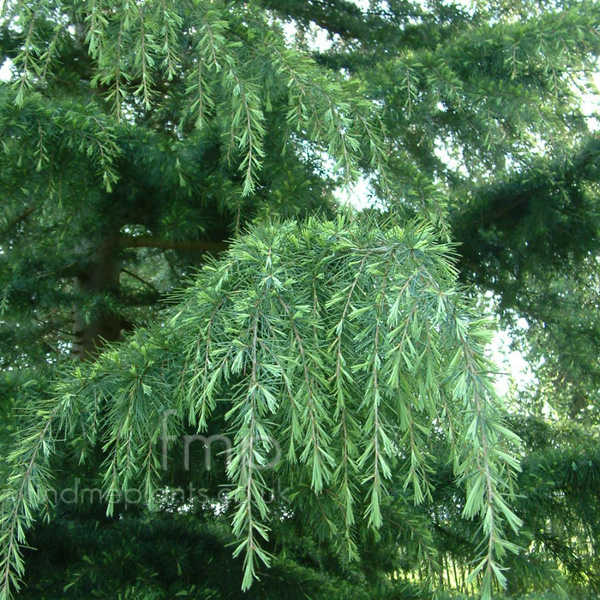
343	344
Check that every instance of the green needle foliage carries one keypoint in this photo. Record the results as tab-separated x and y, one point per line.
137	138
328	352
227	66
340	358
483	103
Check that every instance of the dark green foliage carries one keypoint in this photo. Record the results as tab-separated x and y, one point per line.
547	216
560	502
179	556
149	191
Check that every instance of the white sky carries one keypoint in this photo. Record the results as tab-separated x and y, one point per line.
514	369
5	70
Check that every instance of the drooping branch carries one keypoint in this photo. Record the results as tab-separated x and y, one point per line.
261	327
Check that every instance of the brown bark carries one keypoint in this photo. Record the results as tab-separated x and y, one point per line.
100	275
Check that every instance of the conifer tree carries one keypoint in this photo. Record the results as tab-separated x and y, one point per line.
140	138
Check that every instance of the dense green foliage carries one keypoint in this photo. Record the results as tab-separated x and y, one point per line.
139	138
339	347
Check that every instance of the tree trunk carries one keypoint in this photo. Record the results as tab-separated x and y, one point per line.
98	276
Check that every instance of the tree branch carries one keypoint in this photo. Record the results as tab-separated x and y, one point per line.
141	280
20	218
183	246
